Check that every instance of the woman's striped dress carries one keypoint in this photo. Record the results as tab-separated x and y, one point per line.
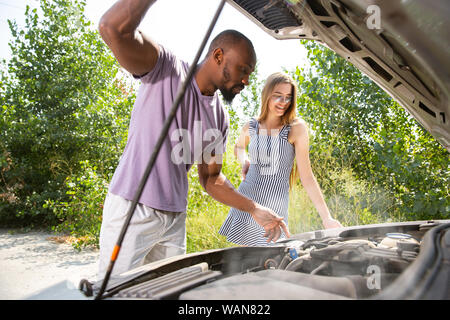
266	182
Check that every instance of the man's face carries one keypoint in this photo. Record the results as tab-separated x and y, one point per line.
239	63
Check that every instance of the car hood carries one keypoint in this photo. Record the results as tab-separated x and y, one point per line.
402	260
407	259
403	46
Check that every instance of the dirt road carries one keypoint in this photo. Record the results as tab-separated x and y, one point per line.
30	262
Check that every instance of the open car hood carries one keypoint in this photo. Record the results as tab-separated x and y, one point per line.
406	52
408	56
403	260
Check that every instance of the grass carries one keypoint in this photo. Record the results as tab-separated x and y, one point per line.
351	201
204	214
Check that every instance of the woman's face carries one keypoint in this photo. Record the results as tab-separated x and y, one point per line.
280	99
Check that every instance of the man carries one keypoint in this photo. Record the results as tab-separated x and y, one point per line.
157	229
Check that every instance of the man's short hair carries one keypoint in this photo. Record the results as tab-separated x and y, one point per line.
227	39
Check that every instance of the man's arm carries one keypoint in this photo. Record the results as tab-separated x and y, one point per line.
218	187
134	51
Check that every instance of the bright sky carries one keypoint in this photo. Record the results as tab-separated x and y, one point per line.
180	25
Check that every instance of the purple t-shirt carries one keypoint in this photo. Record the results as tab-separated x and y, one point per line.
198	131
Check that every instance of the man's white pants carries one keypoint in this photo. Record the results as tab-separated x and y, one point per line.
152	235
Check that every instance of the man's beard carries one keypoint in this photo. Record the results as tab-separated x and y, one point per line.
228	94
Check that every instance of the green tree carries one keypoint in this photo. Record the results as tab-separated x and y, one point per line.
371	132
63	102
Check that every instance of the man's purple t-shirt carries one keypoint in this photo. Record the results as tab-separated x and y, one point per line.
200	126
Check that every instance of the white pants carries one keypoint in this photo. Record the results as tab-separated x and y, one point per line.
152	235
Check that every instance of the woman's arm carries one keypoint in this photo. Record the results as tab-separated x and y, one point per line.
300	138
240	149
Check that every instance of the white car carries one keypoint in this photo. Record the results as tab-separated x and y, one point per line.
406	51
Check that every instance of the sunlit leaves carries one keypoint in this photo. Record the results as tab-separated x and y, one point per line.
380	140
63	103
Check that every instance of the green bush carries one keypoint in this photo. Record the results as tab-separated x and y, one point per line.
63	101
64	112
81	214
204	214
351	200
372	135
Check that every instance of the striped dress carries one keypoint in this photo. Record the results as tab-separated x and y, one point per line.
266	183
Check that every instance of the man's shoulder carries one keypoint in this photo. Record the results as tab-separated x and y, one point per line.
225	116
168	63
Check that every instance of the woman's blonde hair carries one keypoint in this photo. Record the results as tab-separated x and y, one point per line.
273	80
290	114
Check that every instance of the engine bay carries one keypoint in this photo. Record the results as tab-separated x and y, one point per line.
358	263
330	268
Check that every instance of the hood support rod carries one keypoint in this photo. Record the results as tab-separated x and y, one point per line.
156	150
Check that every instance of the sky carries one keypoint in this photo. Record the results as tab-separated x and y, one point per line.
180	25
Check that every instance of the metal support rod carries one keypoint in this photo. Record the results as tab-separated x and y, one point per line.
157	148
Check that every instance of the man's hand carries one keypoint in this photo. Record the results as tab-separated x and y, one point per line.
330	223
218	187
270	221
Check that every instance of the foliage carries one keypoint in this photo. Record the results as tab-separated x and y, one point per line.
204	214
379	140
62	103
351	200
64	112
81	214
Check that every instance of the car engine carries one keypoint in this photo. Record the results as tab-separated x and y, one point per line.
398	261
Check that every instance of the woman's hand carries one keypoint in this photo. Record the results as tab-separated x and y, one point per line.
330	223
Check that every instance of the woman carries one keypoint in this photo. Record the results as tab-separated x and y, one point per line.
275	141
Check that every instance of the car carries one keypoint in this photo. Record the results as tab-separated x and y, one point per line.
402	46
387	261
399	45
